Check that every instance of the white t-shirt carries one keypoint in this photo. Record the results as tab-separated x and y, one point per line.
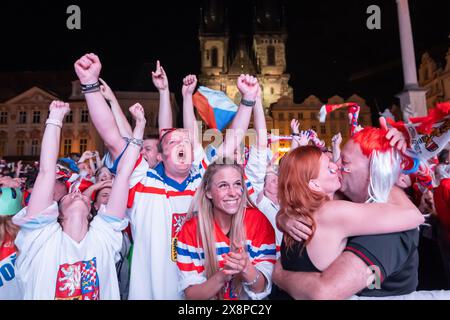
159	207
51	265
255	171
9	289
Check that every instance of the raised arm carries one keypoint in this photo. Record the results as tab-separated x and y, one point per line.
248	87
42	195
336	146
354	219
189	121
121	121
88	70
345	277
259	119
161	83
119	194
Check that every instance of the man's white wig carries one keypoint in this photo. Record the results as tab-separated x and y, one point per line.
384	172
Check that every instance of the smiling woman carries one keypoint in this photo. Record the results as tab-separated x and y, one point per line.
232	241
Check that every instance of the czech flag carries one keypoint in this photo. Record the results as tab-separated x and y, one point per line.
214	107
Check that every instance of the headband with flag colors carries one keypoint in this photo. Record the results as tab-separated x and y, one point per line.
353	113
214	107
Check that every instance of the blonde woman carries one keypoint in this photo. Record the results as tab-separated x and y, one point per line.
226	250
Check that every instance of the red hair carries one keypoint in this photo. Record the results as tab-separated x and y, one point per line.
296	198
370	139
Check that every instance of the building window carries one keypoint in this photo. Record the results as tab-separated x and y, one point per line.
84	116
313	116
83	145
300	116
323	129
214	57
3	117
67	147
69	117
22	117
342	116
34	147
36	117
361	120
270	55
272	90
314	128
20	147
332	116
281	118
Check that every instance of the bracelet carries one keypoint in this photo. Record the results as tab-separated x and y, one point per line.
88	88
251	283
296	134
54	122
137	142
248	103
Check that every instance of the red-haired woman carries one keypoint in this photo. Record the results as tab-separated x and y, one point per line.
307	185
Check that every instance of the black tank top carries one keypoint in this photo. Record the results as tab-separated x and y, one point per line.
294	259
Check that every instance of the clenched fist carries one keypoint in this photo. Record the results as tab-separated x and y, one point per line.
88	68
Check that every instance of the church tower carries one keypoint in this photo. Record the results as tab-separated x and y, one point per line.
214	38
269	45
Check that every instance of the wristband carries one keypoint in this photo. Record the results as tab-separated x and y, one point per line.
88	88
137	142
251	283
248	103
54	122
296	134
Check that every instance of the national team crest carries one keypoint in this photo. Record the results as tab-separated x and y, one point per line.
78	281
178	220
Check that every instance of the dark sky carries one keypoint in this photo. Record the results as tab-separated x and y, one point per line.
329	44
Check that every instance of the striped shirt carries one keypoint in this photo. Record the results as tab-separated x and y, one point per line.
260	246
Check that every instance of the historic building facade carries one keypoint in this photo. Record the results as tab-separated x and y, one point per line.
435	80
22	121
225	56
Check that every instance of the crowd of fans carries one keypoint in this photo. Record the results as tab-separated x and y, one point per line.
158	217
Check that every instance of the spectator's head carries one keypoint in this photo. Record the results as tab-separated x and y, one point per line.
84	169
177	151
74	205
222	195
10	204
102	197
150	150
307	179
103	174
370	166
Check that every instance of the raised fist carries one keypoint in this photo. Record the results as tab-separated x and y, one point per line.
137	111
248	87
159	78
58	110
88	68
189	85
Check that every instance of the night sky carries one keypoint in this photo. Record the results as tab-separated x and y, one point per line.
329	50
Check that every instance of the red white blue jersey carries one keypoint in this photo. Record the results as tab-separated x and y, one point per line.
260	246
158	207
9	289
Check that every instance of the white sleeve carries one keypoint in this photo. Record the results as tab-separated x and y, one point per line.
266	268
108	229
255	170
139	172
35	232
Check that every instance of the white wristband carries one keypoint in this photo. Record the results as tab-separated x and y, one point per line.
54	122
